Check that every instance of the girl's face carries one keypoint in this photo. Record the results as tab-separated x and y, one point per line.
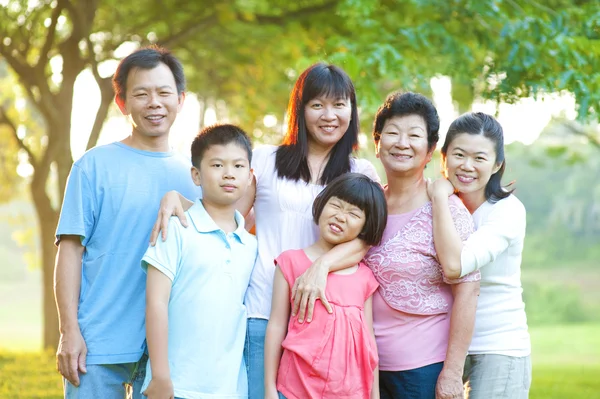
327	120
469	163
403	146
340	221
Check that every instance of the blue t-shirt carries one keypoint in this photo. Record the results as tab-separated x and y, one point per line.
210	271
112	198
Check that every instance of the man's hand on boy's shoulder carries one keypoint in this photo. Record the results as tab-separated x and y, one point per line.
160	388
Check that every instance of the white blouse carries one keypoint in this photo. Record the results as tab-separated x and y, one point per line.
283	212
496	247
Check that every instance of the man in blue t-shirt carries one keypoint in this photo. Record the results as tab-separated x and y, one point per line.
112	196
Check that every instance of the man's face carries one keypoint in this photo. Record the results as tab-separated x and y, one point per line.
151	101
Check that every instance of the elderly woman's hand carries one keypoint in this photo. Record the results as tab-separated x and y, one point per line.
449	385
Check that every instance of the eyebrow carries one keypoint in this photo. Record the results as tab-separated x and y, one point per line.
478	152
222	160
148	88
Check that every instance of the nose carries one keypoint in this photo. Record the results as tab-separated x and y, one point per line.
403	141
328	113
340	217
228	172
153	101
467	164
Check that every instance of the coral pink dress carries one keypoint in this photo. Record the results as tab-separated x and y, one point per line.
334	355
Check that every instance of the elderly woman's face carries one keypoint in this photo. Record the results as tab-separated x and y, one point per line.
403	146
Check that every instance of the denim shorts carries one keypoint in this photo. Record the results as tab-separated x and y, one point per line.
254	355
497	376
410	384
106	381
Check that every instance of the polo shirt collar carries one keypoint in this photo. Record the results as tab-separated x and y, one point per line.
205	224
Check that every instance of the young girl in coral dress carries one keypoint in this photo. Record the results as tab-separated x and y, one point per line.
335	354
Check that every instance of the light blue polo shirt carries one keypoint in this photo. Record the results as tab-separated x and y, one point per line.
210	271
111	201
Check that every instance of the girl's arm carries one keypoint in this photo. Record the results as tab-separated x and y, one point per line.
446	239
276	331
368	311
310	286
462	321
158	290
175	204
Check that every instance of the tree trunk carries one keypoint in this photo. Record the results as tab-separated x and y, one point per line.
51	333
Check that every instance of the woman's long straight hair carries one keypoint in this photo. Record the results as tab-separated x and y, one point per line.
291	160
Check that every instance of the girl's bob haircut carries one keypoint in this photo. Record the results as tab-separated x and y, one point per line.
358	190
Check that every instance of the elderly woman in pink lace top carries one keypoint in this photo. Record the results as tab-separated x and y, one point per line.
423	321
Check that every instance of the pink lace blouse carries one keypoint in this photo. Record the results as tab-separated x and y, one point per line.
411	308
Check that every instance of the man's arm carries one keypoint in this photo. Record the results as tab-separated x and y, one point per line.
462	321
158	290
71	353
310	286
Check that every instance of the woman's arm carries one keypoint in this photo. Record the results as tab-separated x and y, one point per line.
368	311
462	321
446	239
158	290
276	331
172	204
310	286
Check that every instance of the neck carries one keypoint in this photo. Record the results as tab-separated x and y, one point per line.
472	200
317	158
405	193
222	215
152	144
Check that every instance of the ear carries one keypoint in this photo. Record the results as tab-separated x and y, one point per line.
377	148
444	166
497	167
250	177
430	153
180	100
121	104
196	176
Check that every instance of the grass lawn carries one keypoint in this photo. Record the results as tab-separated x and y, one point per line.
566	365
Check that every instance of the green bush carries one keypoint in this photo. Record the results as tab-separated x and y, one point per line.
553	303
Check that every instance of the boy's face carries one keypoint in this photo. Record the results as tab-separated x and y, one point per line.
224	174
151	100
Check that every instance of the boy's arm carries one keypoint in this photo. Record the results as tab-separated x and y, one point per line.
276	331
310	286
71	353
462	322
368	311
158	290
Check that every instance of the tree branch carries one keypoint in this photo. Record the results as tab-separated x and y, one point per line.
5	120
43	60
578	130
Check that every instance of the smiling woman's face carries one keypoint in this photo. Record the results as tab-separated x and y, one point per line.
469	163
403	146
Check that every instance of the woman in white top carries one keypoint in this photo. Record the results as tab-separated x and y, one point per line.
498	364
322	133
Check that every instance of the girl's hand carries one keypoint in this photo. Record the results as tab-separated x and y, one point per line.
271	393
160	388
170	205
441	188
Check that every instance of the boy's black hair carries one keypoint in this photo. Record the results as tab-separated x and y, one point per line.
147	58
220	134
358	190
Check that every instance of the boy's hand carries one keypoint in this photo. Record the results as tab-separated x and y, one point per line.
170	205
160	388
70	356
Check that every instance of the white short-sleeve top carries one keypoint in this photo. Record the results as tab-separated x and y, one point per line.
283	212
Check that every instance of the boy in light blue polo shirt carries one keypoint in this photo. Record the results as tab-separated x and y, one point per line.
197	278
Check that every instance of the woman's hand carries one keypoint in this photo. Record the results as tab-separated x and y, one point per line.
170	205
439	188
309	287
449	385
